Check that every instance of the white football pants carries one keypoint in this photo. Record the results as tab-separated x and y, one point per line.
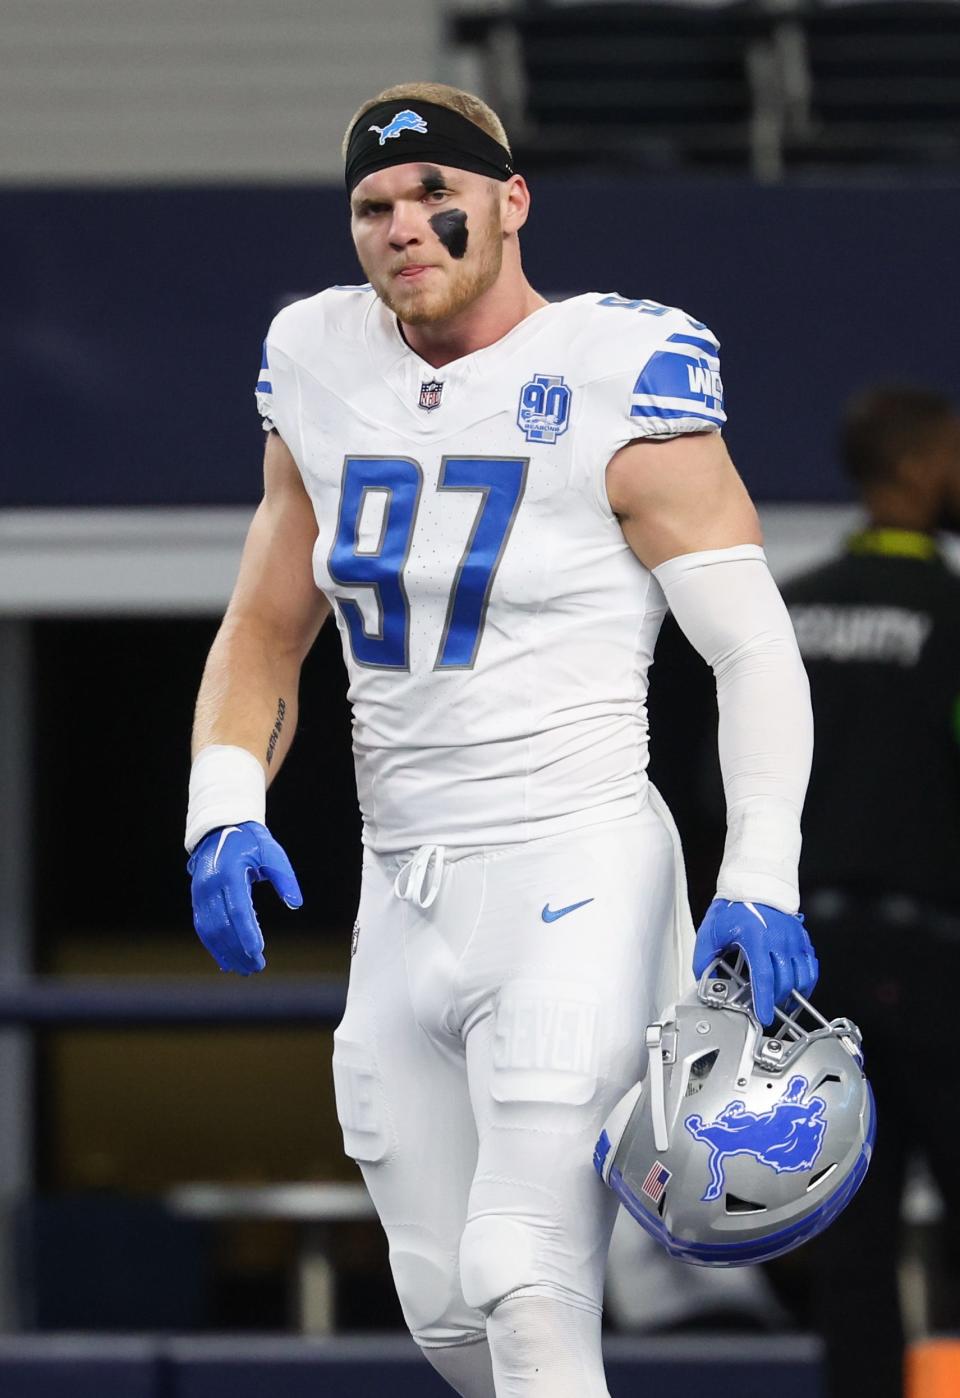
486	1037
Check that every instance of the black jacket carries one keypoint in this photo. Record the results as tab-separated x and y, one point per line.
879	630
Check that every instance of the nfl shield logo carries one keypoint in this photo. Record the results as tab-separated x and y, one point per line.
430	394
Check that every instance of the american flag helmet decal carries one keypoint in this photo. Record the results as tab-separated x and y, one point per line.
658	1177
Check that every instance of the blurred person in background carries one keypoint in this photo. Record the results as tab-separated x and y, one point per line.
497	498
879	630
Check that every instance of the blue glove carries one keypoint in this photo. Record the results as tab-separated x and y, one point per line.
223	866
780	957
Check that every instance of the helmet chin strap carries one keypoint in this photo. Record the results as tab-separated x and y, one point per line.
658	1110
745	1066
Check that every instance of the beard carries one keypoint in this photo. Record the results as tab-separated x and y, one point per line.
469	280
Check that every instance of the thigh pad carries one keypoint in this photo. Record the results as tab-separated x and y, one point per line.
362	1109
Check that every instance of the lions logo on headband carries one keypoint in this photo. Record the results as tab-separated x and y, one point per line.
449	139
403	121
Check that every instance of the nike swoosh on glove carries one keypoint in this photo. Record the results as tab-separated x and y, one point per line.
223	867
780	956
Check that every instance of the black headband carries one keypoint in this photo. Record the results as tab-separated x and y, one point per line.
395	133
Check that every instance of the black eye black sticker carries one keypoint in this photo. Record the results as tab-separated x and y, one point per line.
451	228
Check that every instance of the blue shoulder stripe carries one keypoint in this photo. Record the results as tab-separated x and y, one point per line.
707	346
677	375
671	414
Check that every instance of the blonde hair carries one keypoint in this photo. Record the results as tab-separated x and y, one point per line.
441	95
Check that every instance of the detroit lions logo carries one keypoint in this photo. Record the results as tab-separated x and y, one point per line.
787	1138
403	121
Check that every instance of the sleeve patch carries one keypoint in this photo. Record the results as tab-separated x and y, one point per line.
681	380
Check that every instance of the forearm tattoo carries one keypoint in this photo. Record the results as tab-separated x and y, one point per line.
277	727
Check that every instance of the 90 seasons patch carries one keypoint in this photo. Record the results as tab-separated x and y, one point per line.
543	413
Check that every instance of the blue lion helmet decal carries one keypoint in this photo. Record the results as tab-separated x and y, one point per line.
787	1138
403	121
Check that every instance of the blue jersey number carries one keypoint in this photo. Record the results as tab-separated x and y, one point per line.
501	485
380	569
499	482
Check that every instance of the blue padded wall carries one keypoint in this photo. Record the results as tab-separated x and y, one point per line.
50	1366
131	319
249	1366
367	1367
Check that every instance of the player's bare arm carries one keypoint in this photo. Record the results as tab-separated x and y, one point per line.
687	516
680	496
246	715
248	695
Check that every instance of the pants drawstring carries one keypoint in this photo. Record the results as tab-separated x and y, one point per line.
419	879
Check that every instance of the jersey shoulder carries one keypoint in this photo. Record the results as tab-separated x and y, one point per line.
656	365
315	334
338	311
618	332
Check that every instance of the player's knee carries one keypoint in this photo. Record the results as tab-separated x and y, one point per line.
428	1288
497	1257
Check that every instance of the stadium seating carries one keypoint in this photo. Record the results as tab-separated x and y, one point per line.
872	84
655	86
756	87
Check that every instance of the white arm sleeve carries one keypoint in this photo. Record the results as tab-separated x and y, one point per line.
727	605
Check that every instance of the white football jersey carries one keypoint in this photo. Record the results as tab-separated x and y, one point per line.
496	627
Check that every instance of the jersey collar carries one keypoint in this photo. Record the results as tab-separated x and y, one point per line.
895	543
390	348
404	371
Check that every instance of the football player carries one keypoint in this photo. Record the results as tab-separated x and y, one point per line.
497	498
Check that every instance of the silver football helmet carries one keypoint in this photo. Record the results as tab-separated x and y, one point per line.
740	1143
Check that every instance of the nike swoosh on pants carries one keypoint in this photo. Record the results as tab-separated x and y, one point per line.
551	914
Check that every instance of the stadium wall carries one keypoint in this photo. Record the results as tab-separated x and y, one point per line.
361	1367
112	90
133	318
